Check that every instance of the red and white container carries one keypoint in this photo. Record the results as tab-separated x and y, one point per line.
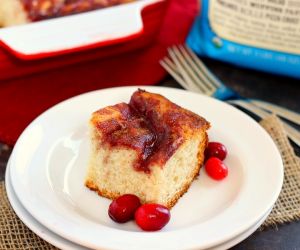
80	37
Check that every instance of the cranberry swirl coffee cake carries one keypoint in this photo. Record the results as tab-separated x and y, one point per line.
150	147
13	12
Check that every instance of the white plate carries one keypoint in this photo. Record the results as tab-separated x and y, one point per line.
49	164
33	224
62	243
242	236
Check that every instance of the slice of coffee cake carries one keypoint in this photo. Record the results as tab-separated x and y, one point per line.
150	147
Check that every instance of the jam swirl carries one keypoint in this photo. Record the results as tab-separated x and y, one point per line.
44	9
151	125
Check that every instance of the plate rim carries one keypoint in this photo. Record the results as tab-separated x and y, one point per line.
31	222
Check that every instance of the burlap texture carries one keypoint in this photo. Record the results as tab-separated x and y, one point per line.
15	235
13	232
287	207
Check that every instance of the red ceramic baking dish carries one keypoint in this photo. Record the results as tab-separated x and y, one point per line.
85	36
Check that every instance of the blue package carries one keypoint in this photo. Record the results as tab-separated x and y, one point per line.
262	35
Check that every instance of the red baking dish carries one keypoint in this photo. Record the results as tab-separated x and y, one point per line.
76	32
57	42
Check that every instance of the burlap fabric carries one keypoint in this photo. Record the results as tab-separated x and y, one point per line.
287	207
15	235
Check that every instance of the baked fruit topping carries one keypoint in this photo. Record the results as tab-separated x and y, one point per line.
14	12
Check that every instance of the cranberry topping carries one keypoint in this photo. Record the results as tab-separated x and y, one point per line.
151	125
44	9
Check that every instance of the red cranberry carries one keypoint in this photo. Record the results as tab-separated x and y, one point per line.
216	169
123	208
215	149
152	217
